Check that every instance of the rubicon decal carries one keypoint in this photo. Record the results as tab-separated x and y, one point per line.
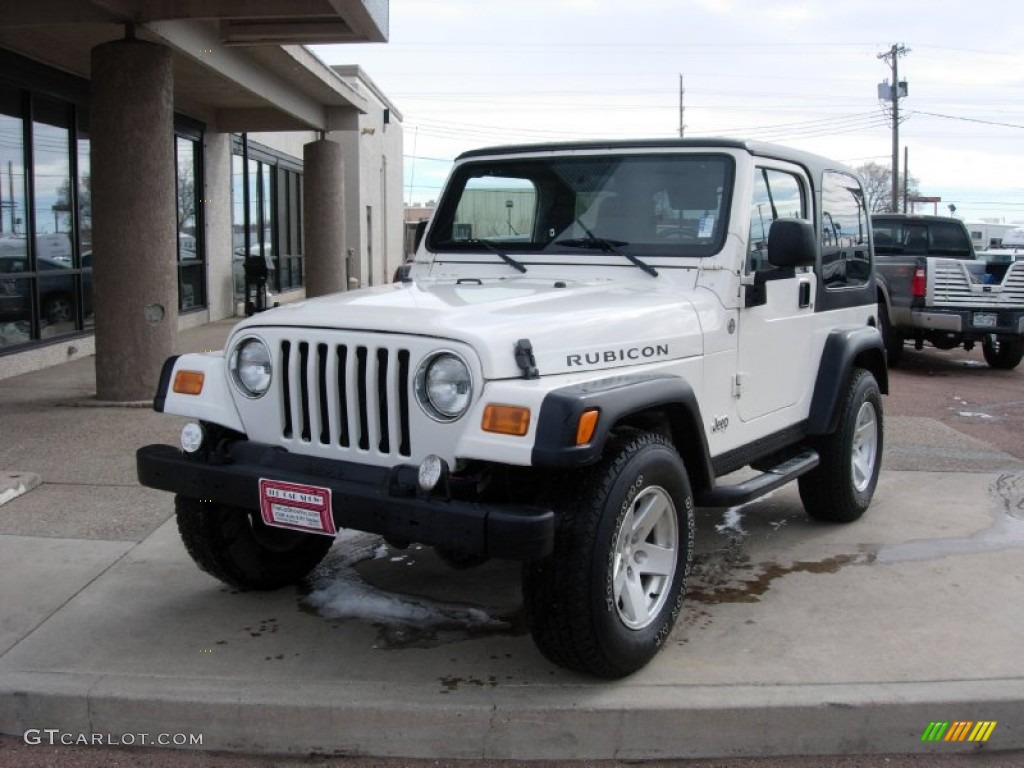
623	354
958	730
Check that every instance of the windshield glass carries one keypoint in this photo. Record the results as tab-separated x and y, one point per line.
641	205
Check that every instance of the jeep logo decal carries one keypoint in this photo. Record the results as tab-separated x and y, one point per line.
720	424
616	355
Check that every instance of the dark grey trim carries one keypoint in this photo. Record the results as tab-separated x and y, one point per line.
737	458
771	478
164	384
845	348
618	398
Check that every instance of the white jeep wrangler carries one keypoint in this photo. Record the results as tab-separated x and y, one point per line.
592	336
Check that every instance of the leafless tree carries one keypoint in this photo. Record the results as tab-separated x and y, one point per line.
878	187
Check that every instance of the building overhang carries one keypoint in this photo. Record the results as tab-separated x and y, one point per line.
240	63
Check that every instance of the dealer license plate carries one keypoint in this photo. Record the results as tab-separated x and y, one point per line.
985	320
297	507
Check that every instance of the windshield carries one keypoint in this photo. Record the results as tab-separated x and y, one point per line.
637	205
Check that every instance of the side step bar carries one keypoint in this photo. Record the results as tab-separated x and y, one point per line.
769	480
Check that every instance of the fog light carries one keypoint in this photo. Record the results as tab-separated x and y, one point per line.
192	437
432	469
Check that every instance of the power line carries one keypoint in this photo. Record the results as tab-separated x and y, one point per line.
967	119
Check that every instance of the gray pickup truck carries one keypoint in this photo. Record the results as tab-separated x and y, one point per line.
932	288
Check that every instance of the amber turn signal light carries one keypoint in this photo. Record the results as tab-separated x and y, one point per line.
506	419
585	426
189	382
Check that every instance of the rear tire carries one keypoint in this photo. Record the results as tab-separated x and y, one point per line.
840	488
1003	352
235	545
607	598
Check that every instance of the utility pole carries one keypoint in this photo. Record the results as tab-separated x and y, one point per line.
896	90
906	176
682	107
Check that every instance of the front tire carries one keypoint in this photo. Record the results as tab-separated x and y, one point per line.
840	488
235	545
607	598
1003	352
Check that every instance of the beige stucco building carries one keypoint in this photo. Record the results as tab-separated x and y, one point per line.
150	151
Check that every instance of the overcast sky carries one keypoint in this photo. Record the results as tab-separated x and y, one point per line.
472	73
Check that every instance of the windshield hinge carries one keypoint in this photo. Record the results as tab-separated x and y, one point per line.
525	359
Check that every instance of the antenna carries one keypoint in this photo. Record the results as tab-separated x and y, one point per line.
682	106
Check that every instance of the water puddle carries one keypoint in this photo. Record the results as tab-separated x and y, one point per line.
338	591
747	583
1006	531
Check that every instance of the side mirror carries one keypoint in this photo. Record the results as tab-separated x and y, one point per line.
791	243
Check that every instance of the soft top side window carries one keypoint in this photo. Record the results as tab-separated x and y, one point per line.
845	255
777	195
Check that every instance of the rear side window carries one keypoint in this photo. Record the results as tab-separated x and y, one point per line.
921	237
845	255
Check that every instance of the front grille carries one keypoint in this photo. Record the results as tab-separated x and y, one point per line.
354	397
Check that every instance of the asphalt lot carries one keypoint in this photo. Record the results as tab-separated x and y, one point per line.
796	637
960	391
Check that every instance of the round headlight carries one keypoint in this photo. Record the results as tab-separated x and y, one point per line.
444	386
250	367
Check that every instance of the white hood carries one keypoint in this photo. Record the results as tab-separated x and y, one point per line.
566	322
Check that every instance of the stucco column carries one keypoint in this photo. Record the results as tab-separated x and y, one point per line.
323	224
135	283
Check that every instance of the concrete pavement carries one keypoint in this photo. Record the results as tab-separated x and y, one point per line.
796	638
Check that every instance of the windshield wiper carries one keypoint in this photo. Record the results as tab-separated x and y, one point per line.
491	247
608	246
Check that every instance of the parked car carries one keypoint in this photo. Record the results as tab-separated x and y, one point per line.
56	286
932	288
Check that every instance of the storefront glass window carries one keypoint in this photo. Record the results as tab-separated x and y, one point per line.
238	225
190	251
266	206
46	249
15	290
85	225
54	220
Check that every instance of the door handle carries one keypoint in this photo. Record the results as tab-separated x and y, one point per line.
805	294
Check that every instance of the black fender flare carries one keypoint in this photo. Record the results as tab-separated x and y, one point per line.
848	347
883	293
617	398
164	385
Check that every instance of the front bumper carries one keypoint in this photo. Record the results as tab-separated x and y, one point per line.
372	499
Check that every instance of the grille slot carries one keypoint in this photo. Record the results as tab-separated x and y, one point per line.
346	397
